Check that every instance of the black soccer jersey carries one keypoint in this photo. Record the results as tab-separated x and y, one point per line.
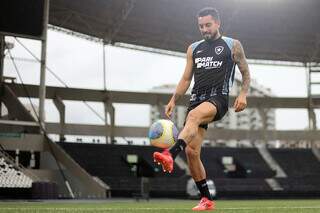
213	67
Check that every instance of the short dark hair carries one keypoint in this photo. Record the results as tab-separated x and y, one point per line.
209	11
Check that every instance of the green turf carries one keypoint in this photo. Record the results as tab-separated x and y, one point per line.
157	206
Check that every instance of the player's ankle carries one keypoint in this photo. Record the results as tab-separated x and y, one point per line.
179	146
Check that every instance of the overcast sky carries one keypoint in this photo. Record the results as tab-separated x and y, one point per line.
79	63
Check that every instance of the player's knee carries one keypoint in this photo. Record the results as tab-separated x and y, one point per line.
191	152
193	118
190	129
189	132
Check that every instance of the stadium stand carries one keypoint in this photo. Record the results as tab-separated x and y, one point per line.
235	171
302	168
297	162
11	177
109	163
248	163
16	182
13	182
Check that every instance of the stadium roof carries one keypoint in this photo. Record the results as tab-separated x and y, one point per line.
286	30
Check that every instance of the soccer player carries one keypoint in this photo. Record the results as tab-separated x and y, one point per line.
211	62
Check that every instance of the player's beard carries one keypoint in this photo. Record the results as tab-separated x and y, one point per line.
209	36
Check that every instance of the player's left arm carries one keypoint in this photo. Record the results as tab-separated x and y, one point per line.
239	58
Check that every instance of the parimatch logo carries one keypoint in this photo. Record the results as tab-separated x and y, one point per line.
207	63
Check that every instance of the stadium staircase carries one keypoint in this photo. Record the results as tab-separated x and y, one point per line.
264	152
316	152
273	183
182	164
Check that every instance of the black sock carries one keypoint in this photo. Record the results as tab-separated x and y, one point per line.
177	148
203	188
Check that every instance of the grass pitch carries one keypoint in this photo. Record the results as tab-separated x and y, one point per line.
162	206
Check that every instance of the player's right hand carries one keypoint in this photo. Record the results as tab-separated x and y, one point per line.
169	108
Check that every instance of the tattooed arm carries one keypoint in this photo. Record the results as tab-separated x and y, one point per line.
183	84
239	58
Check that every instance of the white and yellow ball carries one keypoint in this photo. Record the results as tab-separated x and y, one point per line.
163	133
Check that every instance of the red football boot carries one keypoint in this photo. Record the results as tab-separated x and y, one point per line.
165	159
204	205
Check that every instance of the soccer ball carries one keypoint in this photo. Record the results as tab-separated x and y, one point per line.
163	133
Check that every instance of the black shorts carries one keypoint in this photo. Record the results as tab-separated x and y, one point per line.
221	102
